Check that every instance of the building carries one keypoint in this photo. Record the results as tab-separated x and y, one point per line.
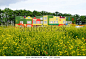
54	20
46	19
28	21
62	20
57	20
21	21
36	21
70	20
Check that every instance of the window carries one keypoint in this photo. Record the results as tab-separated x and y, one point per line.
34	22
70	22
21	22
64	22
28	25
28	17
38	22
56	18
49	21
69	18
45	22
34	19
21	26
41	18
45	18
80	23
28	22
56	21
41	22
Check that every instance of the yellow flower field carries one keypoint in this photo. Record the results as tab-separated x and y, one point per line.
43	41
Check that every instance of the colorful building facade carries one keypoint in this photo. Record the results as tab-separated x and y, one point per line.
36	21
43	20
21	21
46	19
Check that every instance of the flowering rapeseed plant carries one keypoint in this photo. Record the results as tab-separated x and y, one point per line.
24	42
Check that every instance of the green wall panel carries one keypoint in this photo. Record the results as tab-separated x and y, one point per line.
67	19
20	18
28	20
48	19
53	24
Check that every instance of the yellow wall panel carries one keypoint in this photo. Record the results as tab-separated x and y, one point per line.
28	18
45	20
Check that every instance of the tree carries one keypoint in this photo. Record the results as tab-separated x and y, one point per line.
0	16
34	13
56	13
65	14
60	14
8	13
42	12
53	14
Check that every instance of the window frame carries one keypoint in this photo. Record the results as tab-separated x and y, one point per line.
21	22
34	21
28	21
45	21
45	18
38	22
56	21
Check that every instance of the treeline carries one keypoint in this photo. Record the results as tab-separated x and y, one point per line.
7	16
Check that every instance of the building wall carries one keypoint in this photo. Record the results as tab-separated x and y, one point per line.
62	20
26	21
36	21
18	18
28	17
73	19
54	20
45	20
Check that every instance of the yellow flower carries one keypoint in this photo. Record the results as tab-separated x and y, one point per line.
4	55
39	45
67	42
22	52
60	54
83	38
16	44
84	54
17	47
64	37
0	50
77	54
76	36
83	49
9	35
